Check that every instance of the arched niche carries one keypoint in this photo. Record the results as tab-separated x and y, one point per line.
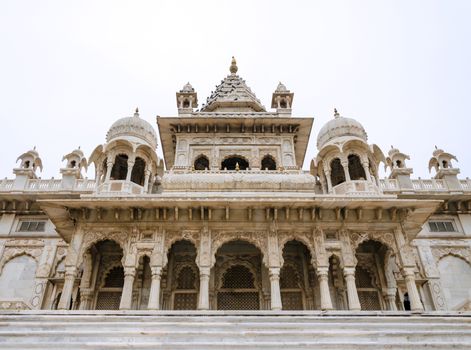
355	168
120	167
17	278
268	163
138	171
455	277
201	163
235	162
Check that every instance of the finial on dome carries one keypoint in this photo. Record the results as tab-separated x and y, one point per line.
336	113
136	113
233	69
34	148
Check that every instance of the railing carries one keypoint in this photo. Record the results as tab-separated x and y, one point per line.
466	184
6	185
43	185
356	188
429	185
187	170
389	185
85	185
120	187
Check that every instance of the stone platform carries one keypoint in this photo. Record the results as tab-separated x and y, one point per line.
233	330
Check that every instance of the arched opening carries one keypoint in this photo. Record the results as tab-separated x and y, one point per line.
102	279
201	163
283	104
138	171
406	302
370	276
238	276
268	163
186	103
337	174
445	164
234	163
120	167
26	165
17	279
398	164
337	287
73	164
297	277
181	277
455	278
355	168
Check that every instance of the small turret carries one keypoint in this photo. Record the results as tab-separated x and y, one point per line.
441	162
76	161
397	163
282	99
187	99
30	161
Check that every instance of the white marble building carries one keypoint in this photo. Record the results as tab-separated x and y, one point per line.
228	220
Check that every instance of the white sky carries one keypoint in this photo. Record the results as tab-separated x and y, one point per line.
69	69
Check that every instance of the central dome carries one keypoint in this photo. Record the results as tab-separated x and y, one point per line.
338	127
134	127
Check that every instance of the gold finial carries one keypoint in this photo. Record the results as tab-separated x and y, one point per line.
336	113
136	113
233	69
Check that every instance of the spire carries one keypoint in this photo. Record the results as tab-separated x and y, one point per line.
336	113
233	68
136	113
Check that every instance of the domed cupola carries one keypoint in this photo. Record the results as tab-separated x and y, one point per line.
346	164
340	127
132	128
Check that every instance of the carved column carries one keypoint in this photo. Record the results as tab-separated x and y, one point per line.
329	180
69	280
203	300
130	167
146	180
86	296
345	170
154	297
366	168
109	167
274	273
323	277
126	296
353	301
390	297
409	276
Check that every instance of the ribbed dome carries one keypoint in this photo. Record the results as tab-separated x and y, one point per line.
338	127
133	126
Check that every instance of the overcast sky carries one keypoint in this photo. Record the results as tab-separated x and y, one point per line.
69	69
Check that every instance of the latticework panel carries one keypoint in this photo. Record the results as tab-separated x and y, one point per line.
238	301
115	278
292	300
185	301
289	277
363	278
186	278
238	276
369	300
108	301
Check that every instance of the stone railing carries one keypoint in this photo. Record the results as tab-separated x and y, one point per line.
6	185
423	185
356	188
47	185
114	187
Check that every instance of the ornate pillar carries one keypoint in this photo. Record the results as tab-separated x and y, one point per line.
366	168
126	296
323	277
409	276
345	170
154	297
353	301
146	180
109	167
203	300
329	180
69	280
274	273
86	296
131	162
390	296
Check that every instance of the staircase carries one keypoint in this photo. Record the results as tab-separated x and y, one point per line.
233	330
